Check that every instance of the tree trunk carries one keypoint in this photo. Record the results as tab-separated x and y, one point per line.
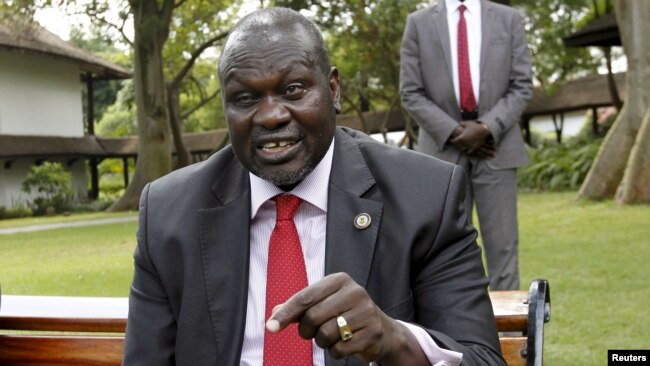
175	121
174	101
611	83
151	28
635	186
622	166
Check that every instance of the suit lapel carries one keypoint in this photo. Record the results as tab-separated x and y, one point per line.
486	30
442	31
350	249
225	260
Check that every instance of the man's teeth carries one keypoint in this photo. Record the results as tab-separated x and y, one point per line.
275	145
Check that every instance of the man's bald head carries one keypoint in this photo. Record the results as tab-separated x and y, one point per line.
268	26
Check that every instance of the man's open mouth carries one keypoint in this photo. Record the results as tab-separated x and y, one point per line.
276	146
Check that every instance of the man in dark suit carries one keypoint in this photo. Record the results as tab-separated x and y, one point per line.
465	80
393	272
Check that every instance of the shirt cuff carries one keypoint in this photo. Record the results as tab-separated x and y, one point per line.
437	356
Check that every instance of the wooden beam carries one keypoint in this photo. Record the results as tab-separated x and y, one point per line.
90	91
94	178
125	167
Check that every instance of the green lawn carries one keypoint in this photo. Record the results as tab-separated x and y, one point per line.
83	261
593	255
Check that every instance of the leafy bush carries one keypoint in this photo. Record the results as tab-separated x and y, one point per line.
15	212
558	167
53	187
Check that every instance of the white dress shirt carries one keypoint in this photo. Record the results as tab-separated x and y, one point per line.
473	21
311	222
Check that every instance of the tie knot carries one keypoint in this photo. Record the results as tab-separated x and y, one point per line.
462	9
286	206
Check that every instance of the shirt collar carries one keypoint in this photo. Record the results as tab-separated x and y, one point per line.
471	5
312	189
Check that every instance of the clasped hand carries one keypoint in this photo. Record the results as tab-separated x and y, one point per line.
470	137
376	336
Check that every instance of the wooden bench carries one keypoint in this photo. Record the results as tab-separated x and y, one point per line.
99	323
526	313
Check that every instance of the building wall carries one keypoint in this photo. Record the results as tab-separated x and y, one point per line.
12	176
39	96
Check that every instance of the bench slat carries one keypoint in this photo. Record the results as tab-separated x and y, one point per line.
510	310
513	349
60	350
100	325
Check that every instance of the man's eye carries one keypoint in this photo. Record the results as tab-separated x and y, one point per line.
245	100
294	91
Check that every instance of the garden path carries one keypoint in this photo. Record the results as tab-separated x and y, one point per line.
67	224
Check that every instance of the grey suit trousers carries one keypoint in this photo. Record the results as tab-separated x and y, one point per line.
495	195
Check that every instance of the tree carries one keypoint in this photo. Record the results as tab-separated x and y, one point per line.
156	100
547	22
622	167
151	22
201	29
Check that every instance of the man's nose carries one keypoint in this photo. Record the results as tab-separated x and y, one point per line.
271	113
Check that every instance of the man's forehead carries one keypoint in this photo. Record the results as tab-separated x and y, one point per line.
271	62
268	32
264	46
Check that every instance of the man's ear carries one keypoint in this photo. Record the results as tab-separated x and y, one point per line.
335	88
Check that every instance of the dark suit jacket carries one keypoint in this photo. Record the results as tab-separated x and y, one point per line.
418	259
427	87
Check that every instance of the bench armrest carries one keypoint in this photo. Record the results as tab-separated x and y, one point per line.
539	313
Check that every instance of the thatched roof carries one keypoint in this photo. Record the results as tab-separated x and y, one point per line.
30	38
585	93
15	146
602	31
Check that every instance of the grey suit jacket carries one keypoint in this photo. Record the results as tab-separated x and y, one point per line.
426	84
418	259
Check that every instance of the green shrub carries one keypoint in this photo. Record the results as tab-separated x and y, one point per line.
52	185
15	212
558	167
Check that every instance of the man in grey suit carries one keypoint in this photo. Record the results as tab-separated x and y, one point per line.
468	110
391	277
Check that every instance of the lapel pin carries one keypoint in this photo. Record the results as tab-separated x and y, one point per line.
362	221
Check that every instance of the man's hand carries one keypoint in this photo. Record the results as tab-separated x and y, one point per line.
486	152
472	139
376	337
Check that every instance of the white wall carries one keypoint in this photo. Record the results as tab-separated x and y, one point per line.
573	123
11	180
39	96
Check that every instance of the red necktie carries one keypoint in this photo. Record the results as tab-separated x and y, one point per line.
285	276
467	100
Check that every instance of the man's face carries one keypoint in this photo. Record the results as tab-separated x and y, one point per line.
279	103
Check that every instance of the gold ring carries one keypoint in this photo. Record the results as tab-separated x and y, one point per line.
344	329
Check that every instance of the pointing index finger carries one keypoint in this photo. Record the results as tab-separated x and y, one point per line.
294	308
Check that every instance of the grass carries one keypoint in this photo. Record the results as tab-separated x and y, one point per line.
595	257
83	261
593	254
